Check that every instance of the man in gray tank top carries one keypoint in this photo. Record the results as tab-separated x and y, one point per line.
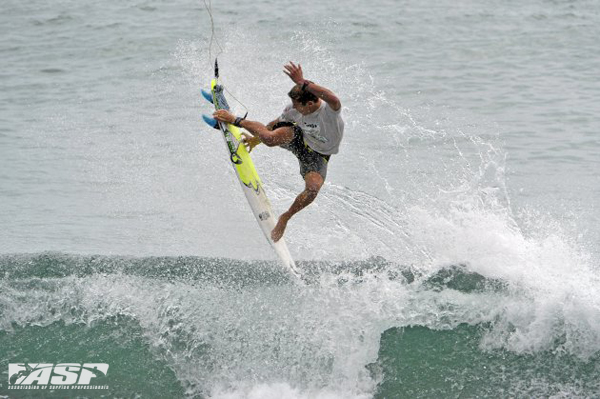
311	127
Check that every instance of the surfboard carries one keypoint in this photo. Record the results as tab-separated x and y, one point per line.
246	173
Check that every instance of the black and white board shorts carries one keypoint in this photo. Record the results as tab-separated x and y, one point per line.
309	159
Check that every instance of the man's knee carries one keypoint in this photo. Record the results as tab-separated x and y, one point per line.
314	182
282	135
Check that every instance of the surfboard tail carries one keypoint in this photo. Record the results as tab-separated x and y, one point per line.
211	122
207	95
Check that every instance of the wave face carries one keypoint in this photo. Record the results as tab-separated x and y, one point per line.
220	328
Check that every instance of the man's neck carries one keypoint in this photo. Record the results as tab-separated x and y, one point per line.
316	106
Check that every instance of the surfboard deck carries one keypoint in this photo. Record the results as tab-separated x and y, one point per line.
247	175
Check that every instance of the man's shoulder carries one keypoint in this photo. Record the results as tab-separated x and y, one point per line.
289	112
327	108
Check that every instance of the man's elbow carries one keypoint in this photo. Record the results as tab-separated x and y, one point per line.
334	103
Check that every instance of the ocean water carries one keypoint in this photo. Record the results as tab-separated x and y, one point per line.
452	253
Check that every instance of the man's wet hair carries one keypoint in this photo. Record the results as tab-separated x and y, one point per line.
302	96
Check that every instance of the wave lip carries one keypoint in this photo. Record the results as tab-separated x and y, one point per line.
230	328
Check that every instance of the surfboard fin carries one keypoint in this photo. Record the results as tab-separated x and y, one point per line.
208	96
211	122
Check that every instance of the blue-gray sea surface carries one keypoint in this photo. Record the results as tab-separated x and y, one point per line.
454	250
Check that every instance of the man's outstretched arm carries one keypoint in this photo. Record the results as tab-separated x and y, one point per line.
271	138
295	73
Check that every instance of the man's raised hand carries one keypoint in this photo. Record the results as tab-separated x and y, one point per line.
294	72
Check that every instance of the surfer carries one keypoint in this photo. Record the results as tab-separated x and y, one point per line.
311	127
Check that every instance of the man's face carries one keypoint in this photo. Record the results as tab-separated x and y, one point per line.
303	109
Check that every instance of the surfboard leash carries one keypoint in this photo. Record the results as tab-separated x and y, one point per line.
213	38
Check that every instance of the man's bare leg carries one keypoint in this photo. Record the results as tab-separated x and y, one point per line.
314	182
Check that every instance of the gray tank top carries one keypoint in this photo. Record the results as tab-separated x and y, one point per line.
323	129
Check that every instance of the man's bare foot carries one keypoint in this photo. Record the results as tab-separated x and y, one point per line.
279	229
